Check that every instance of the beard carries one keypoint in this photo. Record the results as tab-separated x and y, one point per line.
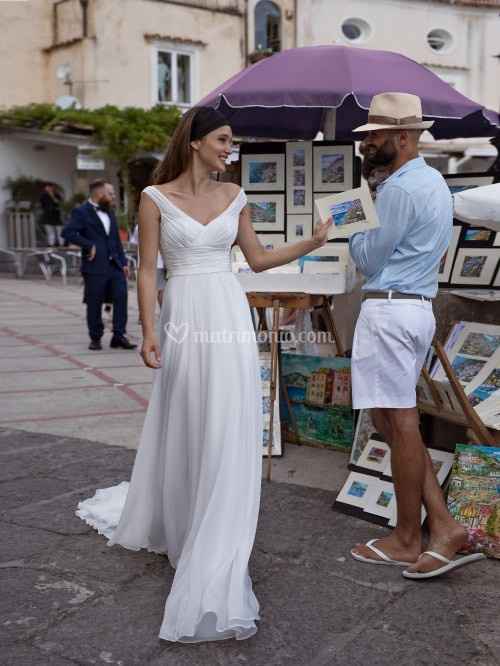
377	161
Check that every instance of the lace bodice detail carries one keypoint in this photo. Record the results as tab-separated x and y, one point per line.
191	248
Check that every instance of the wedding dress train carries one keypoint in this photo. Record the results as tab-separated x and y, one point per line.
195	488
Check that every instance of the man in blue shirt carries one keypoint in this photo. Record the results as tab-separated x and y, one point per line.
400	261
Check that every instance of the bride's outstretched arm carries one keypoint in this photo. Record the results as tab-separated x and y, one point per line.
260	259
149	235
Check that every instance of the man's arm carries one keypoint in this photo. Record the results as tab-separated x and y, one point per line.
73	232
371	250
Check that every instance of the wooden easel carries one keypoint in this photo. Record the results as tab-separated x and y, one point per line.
469	417
292	301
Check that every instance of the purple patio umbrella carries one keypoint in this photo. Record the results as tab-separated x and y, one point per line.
289	94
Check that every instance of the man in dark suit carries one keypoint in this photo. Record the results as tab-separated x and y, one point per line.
104	266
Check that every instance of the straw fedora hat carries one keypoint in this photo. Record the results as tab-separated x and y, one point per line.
395	111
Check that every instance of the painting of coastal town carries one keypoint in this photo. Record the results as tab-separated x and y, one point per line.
474	495
332	168
319	396
348	212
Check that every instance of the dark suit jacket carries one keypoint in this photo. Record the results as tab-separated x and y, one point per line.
86	229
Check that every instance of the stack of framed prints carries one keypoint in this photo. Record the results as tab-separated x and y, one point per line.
283	180
473	257
265	377
368	491
473	350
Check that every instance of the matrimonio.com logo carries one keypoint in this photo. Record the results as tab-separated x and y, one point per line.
179	333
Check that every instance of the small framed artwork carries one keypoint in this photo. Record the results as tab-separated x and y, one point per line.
298	227
265	377
381	499
475	266
299	177
333	166
446	263
458	182
354	492
477	237
365	430
374	456
263	173
350	212
267	211
270	241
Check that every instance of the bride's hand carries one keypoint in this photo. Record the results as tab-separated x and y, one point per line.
150	352
321	229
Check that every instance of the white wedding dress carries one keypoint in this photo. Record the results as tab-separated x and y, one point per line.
195	488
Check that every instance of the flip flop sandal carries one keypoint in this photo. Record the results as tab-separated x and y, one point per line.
449	565
384	559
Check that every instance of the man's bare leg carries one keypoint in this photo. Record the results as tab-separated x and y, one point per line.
400	427
446	536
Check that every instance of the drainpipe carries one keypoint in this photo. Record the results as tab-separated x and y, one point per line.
85	18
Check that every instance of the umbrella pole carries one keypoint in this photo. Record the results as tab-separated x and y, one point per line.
330	125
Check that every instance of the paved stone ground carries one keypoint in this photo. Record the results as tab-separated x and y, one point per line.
69	599
66	598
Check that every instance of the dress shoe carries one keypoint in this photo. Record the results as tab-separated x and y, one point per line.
95	345
121	342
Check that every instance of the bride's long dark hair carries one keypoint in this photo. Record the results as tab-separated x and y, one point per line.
178	156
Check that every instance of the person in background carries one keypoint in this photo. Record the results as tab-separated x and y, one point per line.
51	218
104	267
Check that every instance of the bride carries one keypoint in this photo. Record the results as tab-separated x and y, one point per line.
195	487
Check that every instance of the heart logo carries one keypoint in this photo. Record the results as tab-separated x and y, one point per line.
176	333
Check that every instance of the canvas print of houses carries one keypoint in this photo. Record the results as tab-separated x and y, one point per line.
474	495
319	395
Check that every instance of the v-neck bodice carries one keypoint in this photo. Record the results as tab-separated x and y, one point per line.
189	247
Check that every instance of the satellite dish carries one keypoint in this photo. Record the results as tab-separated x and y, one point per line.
68	102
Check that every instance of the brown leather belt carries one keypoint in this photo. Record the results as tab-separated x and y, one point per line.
394	294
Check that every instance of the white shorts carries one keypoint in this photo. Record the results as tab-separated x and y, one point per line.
391	341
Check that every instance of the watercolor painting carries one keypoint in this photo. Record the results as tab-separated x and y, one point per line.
348	212
477	235
262	172
474	495
472	266
480	344
299	197
263	212
486	389
466	368
319	393
299	178
332	168
299	157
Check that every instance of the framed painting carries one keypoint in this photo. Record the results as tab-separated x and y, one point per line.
299	177
446	264
475	266
374	456
263	172
267	211
270	241
477	237
365	430
298	227
356	490
381	499
333	169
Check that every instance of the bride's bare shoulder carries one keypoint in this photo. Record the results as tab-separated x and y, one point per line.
231	190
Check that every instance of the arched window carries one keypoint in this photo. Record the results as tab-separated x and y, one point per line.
267	26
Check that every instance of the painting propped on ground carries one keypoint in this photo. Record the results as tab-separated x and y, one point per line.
319	394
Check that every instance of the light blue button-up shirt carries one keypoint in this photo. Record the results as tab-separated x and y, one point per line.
415	211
